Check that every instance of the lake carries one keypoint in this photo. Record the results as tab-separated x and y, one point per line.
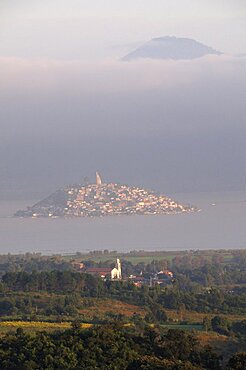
221	224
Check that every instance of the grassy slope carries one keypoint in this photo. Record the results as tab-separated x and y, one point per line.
100	307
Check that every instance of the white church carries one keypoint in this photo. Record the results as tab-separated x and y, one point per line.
107	272
116	271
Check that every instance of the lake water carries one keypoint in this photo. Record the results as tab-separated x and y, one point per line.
221	224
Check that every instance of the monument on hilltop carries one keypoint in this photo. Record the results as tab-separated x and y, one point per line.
98	179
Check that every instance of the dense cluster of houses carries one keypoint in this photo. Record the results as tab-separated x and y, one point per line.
103	199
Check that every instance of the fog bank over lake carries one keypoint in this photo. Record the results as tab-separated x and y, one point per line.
171	126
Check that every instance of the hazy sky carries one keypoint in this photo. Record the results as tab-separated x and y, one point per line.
96	29
69	107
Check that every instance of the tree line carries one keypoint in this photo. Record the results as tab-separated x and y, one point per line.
206	300
110	347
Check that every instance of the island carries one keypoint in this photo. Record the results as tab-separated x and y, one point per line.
103	199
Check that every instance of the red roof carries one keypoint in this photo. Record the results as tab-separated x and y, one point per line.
99	270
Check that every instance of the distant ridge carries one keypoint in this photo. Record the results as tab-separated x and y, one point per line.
171	47
102	199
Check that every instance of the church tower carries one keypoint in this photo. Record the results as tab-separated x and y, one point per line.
116	272
118	266
98	179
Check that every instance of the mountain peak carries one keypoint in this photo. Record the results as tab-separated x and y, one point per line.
171	47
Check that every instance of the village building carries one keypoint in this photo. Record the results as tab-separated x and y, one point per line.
165	274
161	278
103	272
77	265
106	272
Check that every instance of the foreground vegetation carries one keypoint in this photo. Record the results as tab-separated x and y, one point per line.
112	346
205	302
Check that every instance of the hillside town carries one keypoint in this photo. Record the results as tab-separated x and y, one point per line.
103	199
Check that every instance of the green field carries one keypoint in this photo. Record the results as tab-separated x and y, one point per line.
136	257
